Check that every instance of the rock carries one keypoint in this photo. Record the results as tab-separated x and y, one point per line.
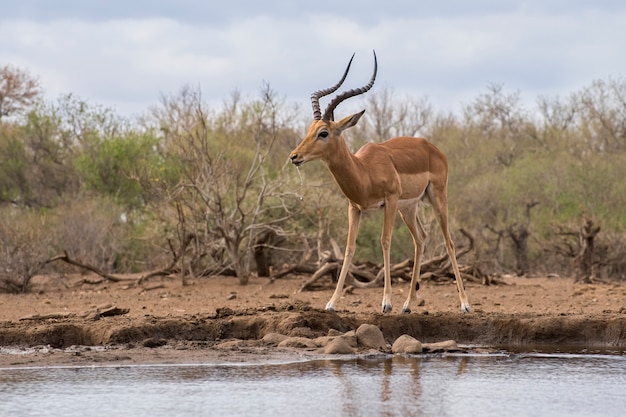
278	296
224	312
302	332
274	339
407	344
112	311
370	336
338	346
349	338
92	315
230	344
154	342
446	346
323	340
297	342
334	332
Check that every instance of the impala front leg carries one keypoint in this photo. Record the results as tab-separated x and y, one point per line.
354	219
391	205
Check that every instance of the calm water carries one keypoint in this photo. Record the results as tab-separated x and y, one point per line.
475	385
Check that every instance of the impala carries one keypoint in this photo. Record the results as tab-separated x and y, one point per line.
394	176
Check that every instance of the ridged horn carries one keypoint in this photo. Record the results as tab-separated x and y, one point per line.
315	96
328	113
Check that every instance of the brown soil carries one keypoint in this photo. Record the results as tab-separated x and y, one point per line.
67	321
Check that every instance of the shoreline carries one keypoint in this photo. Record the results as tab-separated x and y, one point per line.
215	319
239	336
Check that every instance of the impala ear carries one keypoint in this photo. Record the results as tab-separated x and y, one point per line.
349	121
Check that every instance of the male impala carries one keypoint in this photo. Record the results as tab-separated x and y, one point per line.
394	175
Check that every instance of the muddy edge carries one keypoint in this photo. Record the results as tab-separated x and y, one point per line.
485	329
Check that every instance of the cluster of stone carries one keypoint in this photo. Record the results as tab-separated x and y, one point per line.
366	337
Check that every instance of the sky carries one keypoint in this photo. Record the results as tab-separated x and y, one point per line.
125	55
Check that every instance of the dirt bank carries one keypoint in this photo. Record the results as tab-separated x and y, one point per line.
67	320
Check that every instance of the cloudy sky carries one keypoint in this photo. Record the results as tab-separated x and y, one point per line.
126	54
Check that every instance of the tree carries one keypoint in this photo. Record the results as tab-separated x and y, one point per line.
229	194
579	245
18	91
388	117
587	235
519	234
112	167
602	110
24	247
13	166
60	148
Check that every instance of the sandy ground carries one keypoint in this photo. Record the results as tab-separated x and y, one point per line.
69	321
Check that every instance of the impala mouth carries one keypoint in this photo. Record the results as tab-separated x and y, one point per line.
297	161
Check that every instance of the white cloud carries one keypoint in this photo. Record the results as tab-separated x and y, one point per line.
126	63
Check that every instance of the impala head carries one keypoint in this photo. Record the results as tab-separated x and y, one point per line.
324	133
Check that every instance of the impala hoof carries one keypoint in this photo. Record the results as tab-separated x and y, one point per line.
406	310
330	309
386	308
465	308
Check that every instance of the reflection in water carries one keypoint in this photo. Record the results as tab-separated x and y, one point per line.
486	385
393	385
385	386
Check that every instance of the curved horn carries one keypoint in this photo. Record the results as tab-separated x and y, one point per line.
328	113
315	96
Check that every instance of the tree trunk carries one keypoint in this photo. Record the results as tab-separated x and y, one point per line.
519	235
520	249
262	253
586	235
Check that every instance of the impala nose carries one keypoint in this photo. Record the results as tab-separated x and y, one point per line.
295	160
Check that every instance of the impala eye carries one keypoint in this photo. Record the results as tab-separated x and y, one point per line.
323	134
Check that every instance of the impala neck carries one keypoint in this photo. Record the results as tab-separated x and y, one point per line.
348	171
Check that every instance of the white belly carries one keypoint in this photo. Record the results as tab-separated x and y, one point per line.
409	202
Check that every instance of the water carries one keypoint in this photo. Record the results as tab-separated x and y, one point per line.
478	385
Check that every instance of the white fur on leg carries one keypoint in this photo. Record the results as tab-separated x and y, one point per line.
387	304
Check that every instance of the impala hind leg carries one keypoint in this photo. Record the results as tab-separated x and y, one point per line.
439	200
414	224
465	306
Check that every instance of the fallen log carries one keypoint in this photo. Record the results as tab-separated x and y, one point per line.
66	258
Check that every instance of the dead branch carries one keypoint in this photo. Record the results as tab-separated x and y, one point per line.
66	258
106	310
369	275
325	269
176	256
295	269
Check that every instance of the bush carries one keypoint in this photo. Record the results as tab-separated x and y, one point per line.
25	245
